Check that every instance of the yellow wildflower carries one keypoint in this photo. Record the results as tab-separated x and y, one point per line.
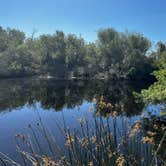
120	161
109	106
115	114
47	161
148	140
102	105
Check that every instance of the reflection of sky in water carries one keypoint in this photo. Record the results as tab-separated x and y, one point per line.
152	109
23	102
16	121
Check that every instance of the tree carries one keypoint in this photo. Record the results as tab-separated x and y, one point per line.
92	60
111	48
157	91
75	55
15	37
114	54
3	40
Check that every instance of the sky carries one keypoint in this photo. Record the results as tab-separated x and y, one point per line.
86	17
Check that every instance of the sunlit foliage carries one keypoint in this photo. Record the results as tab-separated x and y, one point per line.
114	54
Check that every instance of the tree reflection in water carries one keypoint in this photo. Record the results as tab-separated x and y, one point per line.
61	93
108	136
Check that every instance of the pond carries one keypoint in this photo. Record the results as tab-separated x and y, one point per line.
24	103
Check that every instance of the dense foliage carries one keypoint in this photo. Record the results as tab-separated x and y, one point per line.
157	91
113	54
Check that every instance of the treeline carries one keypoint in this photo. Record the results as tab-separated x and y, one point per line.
114	54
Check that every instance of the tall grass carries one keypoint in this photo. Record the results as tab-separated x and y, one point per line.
93	144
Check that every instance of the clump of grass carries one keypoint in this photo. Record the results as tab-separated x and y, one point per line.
95	145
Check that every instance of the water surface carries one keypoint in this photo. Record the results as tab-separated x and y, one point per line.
27	101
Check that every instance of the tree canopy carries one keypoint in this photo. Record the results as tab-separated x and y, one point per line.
157	91
114	54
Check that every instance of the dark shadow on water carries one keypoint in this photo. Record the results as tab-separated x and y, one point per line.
58	94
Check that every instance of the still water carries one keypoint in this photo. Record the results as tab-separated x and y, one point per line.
25	102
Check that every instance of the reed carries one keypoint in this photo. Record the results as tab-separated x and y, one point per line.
94	143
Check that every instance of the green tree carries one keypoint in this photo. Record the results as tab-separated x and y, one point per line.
111	49
157	91
75	55
3	39
53	53
15	37
123	55
136	63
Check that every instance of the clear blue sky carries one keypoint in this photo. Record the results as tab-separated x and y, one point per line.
86	17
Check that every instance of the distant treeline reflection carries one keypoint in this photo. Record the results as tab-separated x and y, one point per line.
58	94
